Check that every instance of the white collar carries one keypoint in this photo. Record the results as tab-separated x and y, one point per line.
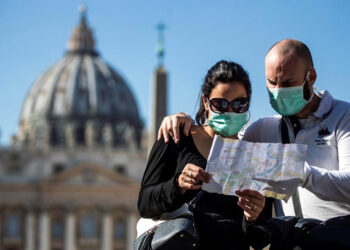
325	104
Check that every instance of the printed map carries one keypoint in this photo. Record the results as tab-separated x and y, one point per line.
273	169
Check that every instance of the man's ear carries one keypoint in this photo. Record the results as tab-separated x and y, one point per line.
312	77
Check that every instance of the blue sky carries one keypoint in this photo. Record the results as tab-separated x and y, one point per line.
34	35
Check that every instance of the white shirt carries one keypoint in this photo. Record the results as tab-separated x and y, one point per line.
326	191
145	224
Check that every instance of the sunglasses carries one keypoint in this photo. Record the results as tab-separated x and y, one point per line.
220	105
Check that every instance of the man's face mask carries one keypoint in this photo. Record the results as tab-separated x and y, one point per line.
289	100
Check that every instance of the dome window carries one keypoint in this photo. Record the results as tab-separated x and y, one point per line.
14	164
80	134
56	136
58	168
120	169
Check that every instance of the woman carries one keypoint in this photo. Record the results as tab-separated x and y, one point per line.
175	172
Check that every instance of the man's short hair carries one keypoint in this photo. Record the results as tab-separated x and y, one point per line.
300	49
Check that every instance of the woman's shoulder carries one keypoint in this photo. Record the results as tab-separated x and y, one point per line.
185	141
197	131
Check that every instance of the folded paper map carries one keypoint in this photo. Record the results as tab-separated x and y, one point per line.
273	169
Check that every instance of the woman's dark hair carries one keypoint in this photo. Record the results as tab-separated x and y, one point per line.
225	72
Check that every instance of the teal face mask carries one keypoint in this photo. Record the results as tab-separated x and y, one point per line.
288	101
228	123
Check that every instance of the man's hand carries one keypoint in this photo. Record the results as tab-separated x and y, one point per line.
252	203
191	178
171	124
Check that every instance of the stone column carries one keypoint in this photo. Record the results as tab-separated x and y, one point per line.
107	231
131	230
130	138
90	134
69	135
108	135
29	231
69	236
44	231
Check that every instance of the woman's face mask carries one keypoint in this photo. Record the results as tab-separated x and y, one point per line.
228	123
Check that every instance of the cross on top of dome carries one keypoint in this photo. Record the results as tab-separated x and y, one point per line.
82	39
82	9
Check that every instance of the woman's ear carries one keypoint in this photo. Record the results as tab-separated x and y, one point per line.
204	100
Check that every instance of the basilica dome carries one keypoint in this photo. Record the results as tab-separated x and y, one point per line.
80	101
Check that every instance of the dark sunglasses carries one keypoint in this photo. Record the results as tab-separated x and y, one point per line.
220	105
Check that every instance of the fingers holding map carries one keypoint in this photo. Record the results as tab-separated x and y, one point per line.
273	169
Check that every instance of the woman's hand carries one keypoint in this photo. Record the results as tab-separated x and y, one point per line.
252	203
171	124
190	178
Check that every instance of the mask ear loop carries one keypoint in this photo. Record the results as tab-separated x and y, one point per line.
244	127
246	124
313	92
207	113
311	96
205	122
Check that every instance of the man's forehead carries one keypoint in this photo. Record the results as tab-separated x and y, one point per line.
278	56
279	62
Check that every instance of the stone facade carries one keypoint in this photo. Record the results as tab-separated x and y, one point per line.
70	180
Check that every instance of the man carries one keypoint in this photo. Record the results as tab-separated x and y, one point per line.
315	119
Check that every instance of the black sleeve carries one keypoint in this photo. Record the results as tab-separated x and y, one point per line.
159	192
265	214
262	232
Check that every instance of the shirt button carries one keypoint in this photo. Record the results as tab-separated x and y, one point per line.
294	125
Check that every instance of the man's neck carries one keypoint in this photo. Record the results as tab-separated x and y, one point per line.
310	108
